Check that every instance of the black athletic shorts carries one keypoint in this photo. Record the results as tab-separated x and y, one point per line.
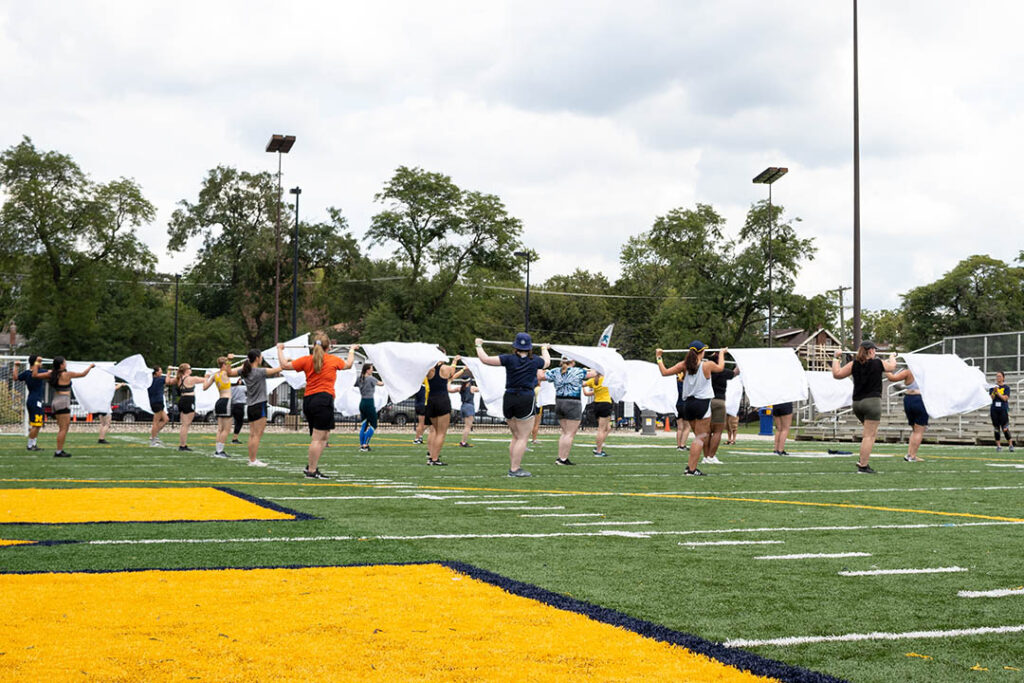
782	409
420	408
187	405
222	408
157	408
603	409
1000	417
696	408
518	406
258	411
319	410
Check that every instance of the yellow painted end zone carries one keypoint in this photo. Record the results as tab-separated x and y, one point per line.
4	541
71	506
422	622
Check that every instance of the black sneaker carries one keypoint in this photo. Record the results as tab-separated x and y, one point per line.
865	469
184	448
220	454
436	463
418	440
317	474
567	461
61	454
103	441
463	444
783	452
235	441
693	473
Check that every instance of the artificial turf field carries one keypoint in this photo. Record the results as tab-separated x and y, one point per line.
764	549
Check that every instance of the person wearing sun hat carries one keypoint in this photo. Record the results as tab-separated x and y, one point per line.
866	371
696	393
518	404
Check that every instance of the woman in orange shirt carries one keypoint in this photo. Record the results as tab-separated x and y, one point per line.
321	369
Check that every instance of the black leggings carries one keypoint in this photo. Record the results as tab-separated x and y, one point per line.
238	414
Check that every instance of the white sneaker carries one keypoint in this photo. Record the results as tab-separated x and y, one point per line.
257	463
713	460
155	443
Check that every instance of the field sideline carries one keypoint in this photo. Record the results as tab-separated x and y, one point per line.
913	574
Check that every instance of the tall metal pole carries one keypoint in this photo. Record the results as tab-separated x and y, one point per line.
527	294
771	223
293	408
277	257
856	190
177	278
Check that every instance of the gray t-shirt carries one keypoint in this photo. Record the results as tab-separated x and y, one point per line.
238	393
367	386
256	386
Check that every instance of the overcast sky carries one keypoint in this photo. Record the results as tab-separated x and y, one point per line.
588	119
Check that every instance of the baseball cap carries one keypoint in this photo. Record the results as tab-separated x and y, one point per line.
867	344
698	346
523	342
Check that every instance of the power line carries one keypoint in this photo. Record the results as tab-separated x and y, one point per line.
603	296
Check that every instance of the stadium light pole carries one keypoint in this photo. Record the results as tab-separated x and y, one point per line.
856	190
177	279
282	144
526	255
768	177
295	282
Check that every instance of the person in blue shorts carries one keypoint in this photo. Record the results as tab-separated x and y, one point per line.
33	400
999	411
913	406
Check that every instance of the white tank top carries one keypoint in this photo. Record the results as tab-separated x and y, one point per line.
697	385
913	386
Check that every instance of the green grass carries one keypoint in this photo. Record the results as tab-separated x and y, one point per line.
717	592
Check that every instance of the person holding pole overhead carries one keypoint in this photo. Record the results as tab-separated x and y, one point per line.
468	408
999	411
782	416
719	383
568	382
36	390
697	393
321	370
156	402
60	379
866	371
256	400
186	383
913	407
222	409
439	408
521	368
367	384
603	408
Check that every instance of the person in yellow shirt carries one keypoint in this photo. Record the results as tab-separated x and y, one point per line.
603	409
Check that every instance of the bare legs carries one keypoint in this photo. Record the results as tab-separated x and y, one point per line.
711	445
63	422
517	446
255	434
223	431
916	436
682	432
700	434
467	429
186	422
318	439
536	423
867	442
104	426
782	425
568	435
159	420
435	440
604	428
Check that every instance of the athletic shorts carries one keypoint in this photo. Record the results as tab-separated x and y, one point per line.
35	415
438	407
61	404
468	410
319	411
420	409
157	408
913	406
718	411
603	409
222	408
518	406
868	409
696	408
568	409
187	405
1000	417
257	411
782	409
732	422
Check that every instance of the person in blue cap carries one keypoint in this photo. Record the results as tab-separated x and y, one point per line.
696	393
521	368
36	392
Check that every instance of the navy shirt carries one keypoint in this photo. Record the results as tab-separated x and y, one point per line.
156	390
520	371
34	386
719	380
1000	395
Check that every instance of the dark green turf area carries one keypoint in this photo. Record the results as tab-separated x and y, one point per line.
387	506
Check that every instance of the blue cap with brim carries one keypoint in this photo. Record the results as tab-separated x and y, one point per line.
698	346
523	342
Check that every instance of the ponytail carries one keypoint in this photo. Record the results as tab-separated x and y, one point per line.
692	361
56	369
181	374
249	364
318	351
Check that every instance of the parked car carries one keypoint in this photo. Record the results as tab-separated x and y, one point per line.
399	414
77	411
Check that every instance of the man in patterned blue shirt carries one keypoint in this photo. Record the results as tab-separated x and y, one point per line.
568	380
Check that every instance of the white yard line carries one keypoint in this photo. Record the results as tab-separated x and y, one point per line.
694	544
606	523
992	464
489	502
552	507
877	635
887	572
811	556
570	514
999	593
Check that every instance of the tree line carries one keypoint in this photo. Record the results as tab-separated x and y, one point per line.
79	282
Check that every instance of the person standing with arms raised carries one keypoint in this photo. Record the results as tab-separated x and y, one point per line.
568	382
603	408
321	370
518	405
36	390
696	393
866	371
60	379
913	408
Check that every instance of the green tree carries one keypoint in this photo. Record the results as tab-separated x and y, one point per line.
572	319
72	245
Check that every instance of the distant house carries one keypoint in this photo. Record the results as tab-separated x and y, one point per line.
815	348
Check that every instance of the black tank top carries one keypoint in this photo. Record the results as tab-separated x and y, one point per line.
437	385
867	379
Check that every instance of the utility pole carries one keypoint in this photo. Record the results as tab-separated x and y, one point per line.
840	290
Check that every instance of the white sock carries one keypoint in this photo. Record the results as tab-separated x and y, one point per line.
31	442
220	447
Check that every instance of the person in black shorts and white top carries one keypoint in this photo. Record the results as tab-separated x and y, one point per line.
697	393
255	379
913	407
999	411
866	371
186	383
521	368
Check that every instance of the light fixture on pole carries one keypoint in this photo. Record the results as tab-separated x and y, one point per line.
295	281
767	177
526	255
282	144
